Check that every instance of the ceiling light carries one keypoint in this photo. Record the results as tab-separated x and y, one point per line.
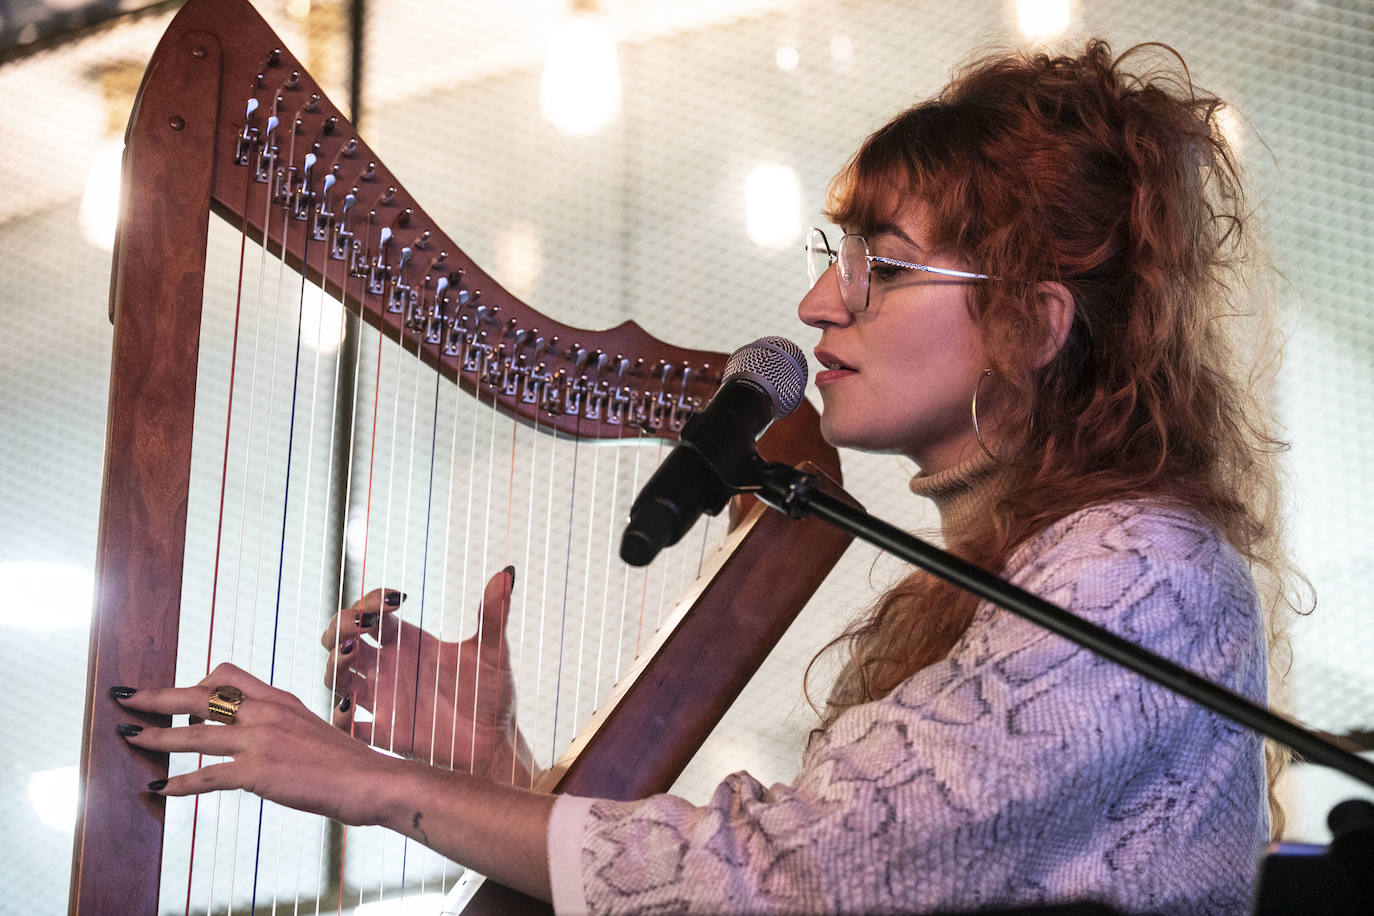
579	92
45	596
773	201
1042	18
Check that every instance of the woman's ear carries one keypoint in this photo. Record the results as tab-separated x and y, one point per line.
1054	300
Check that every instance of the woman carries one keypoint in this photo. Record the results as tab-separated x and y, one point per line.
1029	304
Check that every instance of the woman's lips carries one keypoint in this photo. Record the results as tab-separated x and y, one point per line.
832	369
830	376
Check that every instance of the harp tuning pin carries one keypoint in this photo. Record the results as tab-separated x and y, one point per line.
251	107
351	147
330	123
388	195
421	240
405	256
296	125
293	80
621	364
440	286
440	258
258	80
313	102
579	354
540	344
369	173
385	237
404	218
602	358
274	57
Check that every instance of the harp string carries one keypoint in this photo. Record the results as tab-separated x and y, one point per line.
219	512
424	593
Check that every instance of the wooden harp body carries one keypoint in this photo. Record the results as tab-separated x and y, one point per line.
228	122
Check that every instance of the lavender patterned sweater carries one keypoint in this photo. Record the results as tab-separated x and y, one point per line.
1018	770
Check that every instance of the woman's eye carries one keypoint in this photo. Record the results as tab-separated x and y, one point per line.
881	271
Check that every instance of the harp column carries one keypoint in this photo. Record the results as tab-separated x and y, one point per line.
158	281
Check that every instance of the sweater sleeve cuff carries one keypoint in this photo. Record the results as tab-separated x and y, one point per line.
565	854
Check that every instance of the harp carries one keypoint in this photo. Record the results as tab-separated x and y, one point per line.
227	121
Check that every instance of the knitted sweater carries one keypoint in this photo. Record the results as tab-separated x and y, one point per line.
1018	770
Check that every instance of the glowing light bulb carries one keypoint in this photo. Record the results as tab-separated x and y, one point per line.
1042	18
45	596
99	210
773	202
579	92
52	793
322	321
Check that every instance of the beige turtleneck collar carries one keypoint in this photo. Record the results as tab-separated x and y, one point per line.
961	494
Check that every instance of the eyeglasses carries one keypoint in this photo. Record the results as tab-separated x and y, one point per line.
854	267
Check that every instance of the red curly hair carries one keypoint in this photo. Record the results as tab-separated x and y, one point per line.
1120	185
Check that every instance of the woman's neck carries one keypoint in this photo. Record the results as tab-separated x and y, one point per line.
962	494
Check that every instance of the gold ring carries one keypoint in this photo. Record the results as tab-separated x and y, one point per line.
224	704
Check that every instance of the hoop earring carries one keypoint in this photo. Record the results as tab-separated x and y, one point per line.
987	373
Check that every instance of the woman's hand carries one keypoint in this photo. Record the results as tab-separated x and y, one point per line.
449	703
280	749
284	753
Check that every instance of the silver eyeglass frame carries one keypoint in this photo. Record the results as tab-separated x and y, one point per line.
832	256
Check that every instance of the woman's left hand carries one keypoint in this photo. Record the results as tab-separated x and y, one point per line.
280	750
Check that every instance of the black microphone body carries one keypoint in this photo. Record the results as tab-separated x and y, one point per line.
716	455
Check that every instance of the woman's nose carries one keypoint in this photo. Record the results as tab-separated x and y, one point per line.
823	306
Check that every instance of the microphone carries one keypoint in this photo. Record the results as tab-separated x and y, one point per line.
763	381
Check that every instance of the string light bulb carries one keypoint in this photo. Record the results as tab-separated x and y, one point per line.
1042	19
579	92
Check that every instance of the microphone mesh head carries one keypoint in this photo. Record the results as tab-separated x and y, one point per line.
774	364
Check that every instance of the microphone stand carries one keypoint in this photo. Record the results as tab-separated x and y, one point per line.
799	494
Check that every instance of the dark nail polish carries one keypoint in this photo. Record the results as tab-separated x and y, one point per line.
510	571
157	785
122	693
347	646
345	704
393	598
128	730
366	621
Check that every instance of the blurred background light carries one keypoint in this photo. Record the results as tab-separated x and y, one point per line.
773	201
45	596
53	793
1042	18
100	198
579	91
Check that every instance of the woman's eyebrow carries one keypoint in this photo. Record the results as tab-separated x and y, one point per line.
894	229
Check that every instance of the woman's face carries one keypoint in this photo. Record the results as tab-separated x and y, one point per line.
900	376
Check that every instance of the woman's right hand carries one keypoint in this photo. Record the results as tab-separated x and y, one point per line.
449	703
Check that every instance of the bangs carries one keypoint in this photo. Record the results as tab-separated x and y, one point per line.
911	157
